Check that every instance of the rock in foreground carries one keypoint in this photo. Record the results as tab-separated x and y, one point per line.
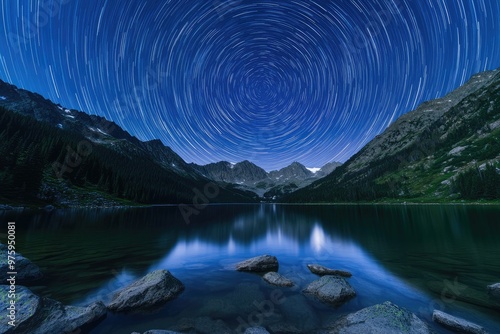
322	271
152	290
494	290
385	318
259	264
276	279
331	289
26	270
35	315
456	324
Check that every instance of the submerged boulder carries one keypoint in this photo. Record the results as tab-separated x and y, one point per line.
35	315
331	289
494	290
321	271
259	264
230	304
274	278
386	318
298	314
456	324
26	270
154	289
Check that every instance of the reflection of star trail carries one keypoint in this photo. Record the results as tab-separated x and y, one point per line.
270	81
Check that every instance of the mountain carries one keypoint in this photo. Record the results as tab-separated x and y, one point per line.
243	172
250	177
53	155
294	171
446	149
95	128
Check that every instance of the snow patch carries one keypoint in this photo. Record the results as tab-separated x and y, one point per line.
70	116
67	111
446	182
313	169
457	150
3	98
60	126
98	130
60	108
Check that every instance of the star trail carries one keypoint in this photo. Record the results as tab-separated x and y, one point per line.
268	81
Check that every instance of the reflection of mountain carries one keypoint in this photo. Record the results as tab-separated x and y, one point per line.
423	245
426	246
79	250
434	248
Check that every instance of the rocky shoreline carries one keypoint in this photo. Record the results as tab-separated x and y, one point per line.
38	315
49	208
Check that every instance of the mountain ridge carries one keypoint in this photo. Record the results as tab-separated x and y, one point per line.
100	132
445	149
43	109
428	111
249	176
54	155
424	154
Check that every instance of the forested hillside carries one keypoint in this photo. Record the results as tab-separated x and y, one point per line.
42	163
446	150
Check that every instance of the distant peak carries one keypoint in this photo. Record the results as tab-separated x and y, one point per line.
246	162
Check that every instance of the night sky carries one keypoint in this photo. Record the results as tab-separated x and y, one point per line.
268	81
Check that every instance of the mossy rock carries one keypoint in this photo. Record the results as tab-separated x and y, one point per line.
386	318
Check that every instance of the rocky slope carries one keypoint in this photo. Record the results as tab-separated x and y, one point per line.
407	129
444	150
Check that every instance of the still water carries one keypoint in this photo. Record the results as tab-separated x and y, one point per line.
419	257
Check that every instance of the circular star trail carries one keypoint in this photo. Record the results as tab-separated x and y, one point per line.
268	81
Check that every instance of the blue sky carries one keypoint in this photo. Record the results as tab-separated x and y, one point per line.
268	81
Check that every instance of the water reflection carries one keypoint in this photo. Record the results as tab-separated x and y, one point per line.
404	254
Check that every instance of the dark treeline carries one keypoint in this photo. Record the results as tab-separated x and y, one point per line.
476	183
29	149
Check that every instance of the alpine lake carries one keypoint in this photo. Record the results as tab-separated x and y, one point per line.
420	257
